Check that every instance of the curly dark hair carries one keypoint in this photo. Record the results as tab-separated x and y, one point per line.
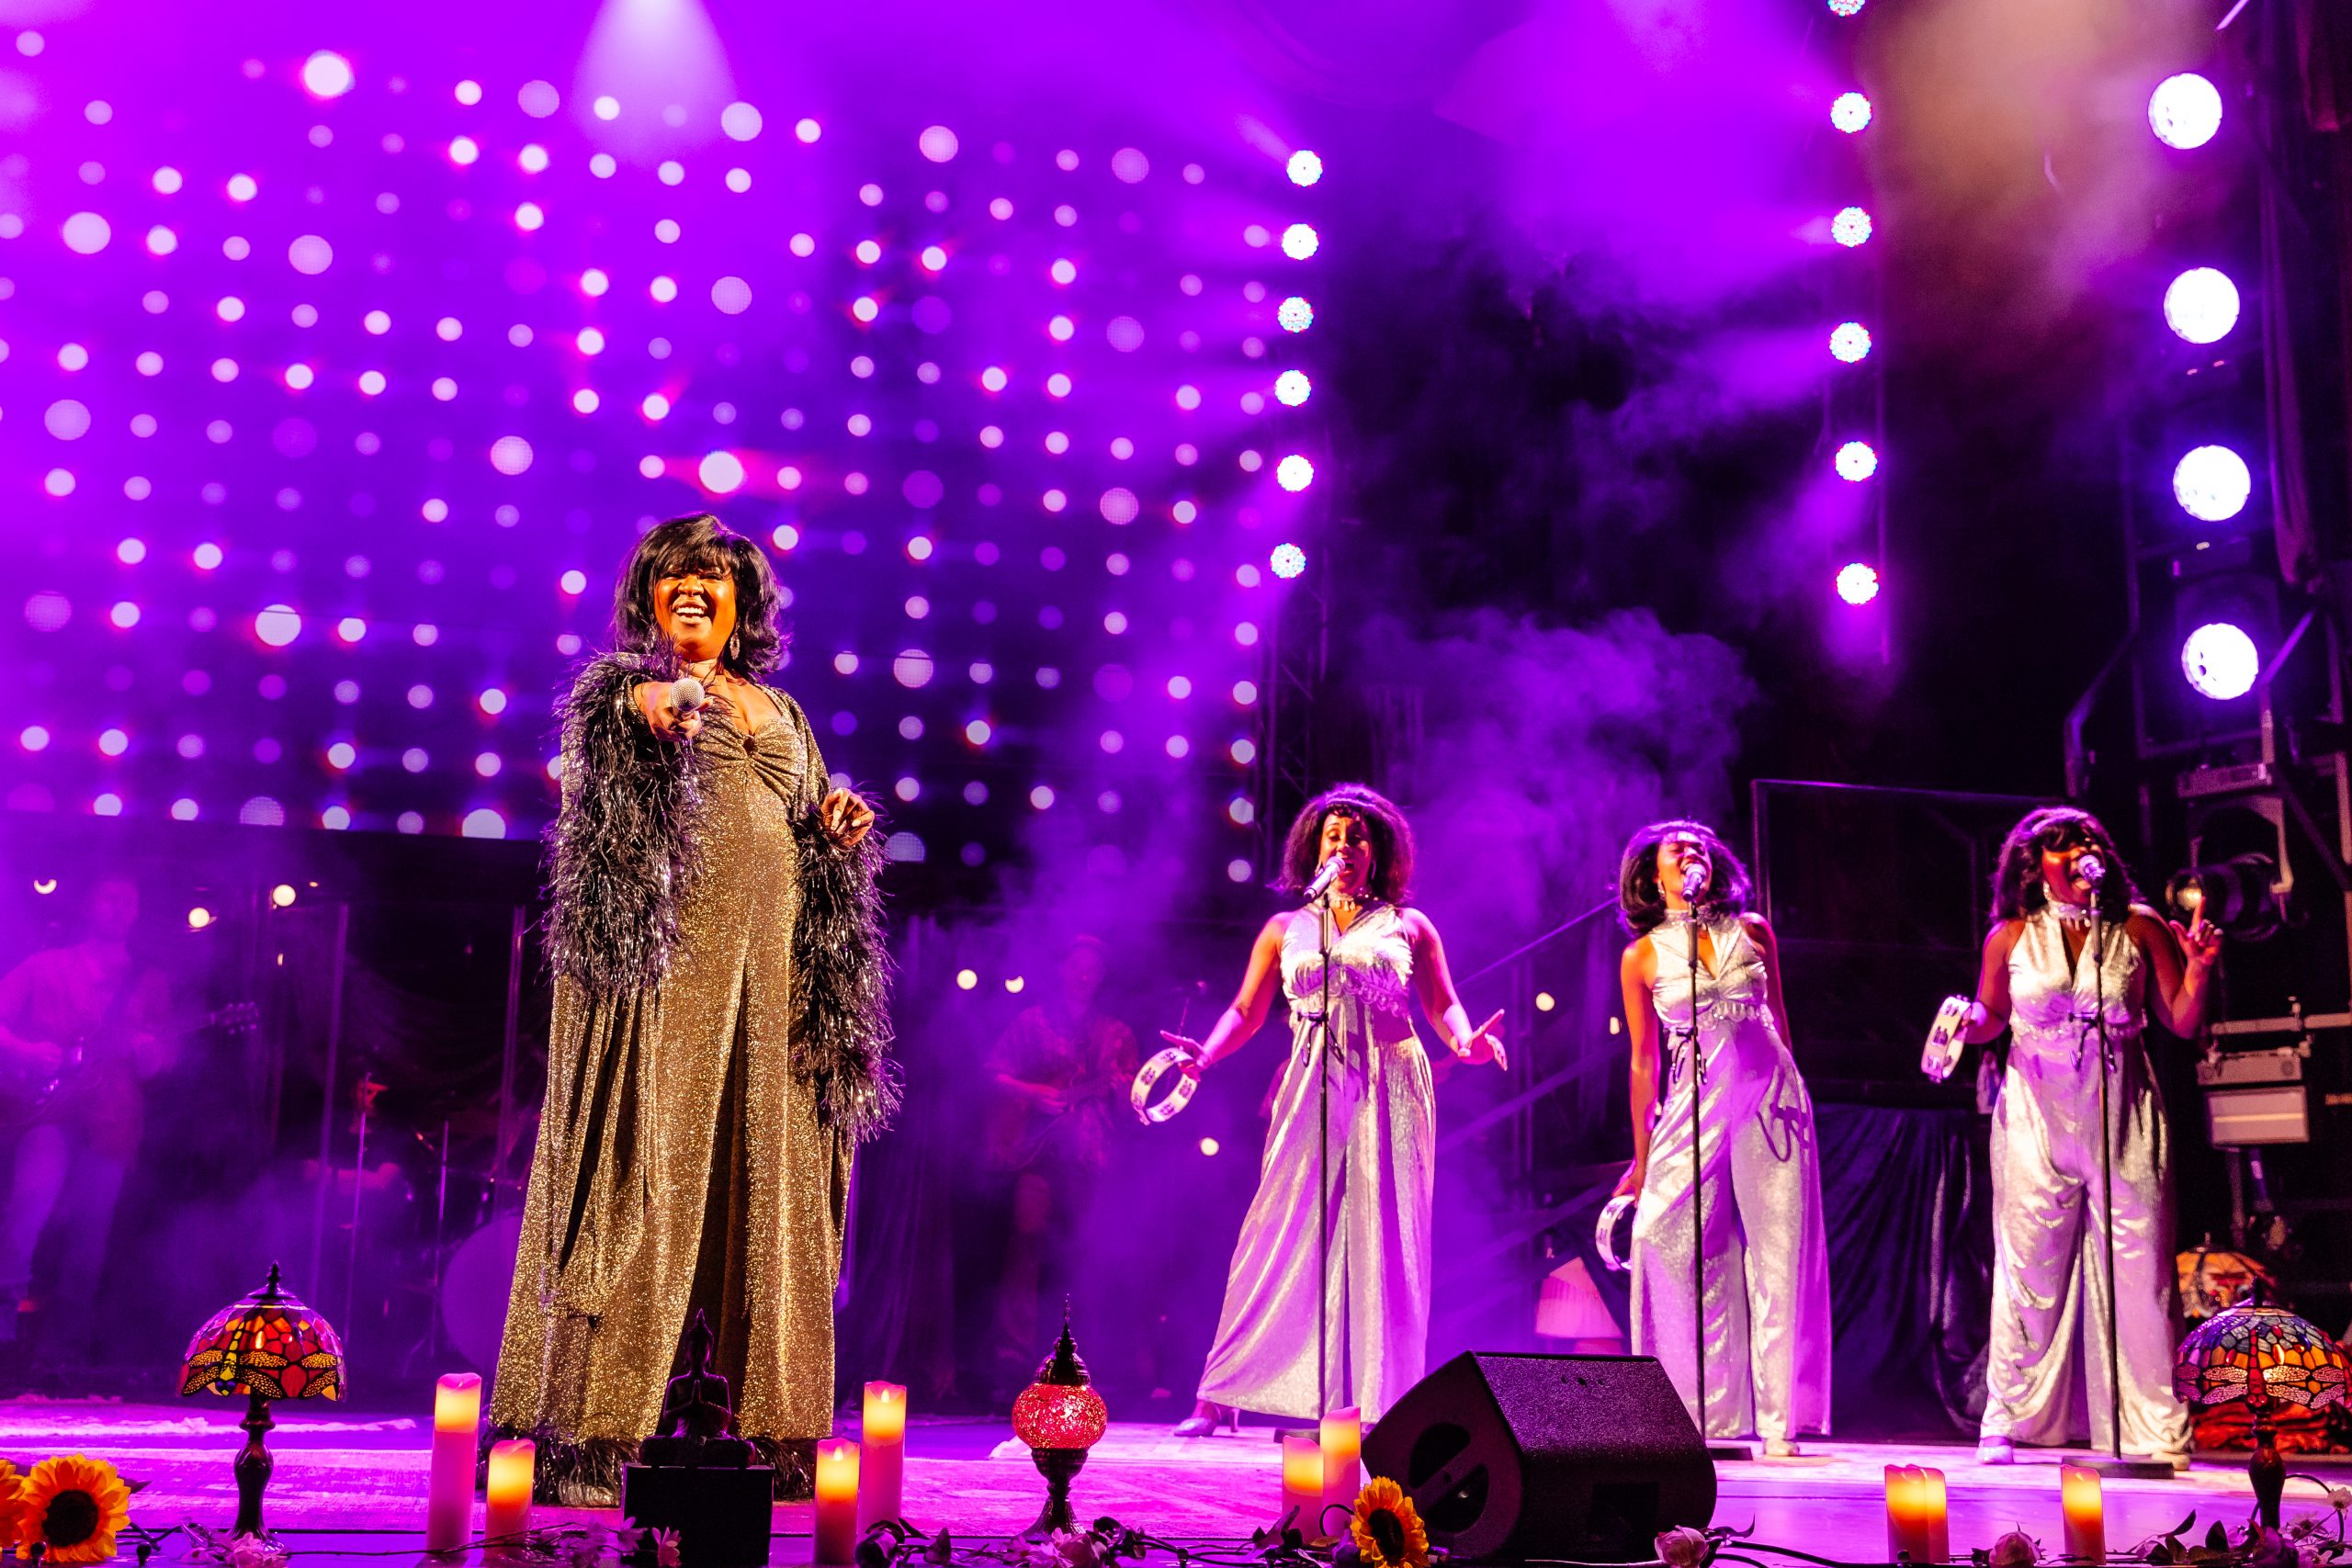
2017	873
699	542
1383	824
1641	903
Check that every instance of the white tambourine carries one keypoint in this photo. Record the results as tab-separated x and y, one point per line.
1175	1058
1604	1232
1944	1041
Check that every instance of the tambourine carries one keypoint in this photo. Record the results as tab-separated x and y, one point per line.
1944	1043
1176	1098
1604	1232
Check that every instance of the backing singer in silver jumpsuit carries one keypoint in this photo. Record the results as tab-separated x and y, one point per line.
1365	1321
2072	945
1764	1257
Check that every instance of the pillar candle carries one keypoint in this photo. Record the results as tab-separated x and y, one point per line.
2078	1496
506	1511
882	1455
1907	1523
1933	1505
1302	1481
1342	1436
449	1486
836	1502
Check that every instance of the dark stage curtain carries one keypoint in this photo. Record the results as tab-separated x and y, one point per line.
1909	1197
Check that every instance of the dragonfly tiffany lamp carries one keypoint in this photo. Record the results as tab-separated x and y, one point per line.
268	1346
2265	1355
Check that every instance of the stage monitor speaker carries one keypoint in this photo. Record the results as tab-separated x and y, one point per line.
1509	1457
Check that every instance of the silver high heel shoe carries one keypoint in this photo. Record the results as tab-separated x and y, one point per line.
1222	1418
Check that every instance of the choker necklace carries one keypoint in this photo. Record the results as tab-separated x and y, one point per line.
2068	914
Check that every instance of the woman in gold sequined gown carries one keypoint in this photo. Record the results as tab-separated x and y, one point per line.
696	1145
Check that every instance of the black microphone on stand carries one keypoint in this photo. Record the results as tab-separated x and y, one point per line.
2090	868
1694	880
1325	874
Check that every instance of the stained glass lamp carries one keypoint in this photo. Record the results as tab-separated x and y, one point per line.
2265	1355
1059	1417
268	1346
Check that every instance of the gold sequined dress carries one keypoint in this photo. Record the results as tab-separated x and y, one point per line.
682	1163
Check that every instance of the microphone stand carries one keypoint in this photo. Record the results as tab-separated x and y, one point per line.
1327	939
1728	1450
2114	1463
1698	1193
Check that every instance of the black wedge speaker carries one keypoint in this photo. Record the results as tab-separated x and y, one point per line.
1508	1457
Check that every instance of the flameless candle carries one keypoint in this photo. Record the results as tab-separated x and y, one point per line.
1932	1505
836	1502
450	1486
2078	1495
1906	1520
1302	1481
506	1511
882	1457
1342	1434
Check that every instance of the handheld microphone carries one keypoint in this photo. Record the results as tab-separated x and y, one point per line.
1694	880
686	694
2091	869
1325	874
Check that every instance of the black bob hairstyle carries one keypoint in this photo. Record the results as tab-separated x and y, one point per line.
1384	825
2017	891
700	543
1641	904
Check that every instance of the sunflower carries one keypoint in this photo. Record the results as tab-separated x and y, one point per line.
71	1507
11	1500
1387	1530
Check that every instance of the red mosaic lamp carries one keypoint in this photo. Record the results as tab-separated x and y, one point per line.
1059	1417
2265	1355
268	1346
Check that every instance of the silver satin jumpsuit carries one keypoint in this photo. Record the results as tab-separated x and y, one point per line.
2050	1292
1381	1169
1766	1253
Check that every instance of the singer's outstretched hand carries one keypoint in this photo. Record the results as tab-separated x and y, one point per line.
1194	1057
2199	943
1484	1044
846	818
661	712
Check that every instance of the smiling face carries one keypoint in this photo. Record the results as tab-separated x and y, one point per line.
1675	852
1347	838
2062	868
695	609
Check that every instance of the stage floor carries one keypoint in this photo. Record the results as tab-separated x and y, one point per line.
348	1485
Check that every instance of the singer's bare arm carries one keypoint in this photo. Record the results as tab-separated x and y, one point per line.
2180	961
1251	1005
1434	982
1991	1013
1636	970
1768	946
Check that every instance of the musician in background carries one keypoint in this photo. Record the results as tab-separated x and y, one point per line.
81	1028
1060	1069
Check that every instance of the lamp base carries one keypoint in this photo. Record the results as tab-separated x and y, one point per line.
1059	1467
2266	1470
252	1467
2112	1469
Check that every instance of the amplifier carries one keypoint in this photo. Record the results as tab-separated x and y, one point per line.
2255	1097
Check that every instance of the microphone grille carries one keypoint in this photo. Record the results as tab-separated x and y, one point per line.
686	693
